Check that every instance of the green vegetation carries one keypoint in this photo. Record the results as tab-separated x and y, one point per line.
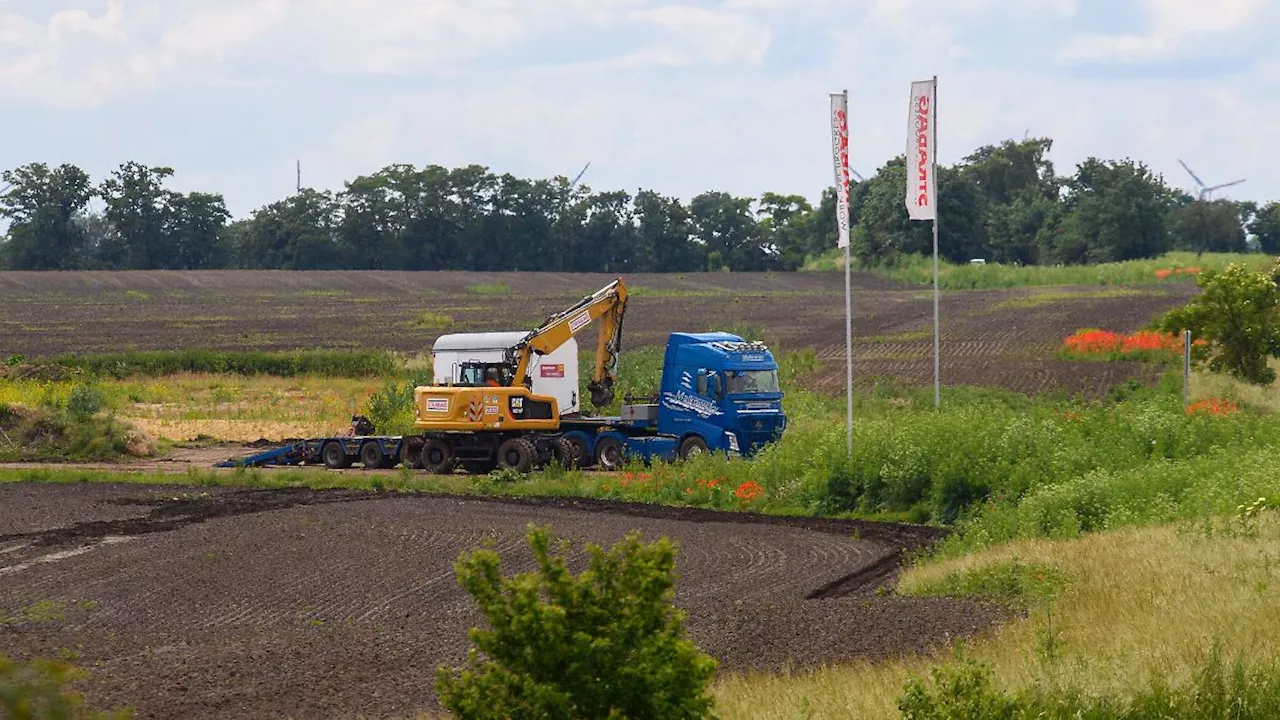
433	320
157	363
605	643
1006	203
391	408
1044	299
498	288
1137	609
67	431
1238	313
40	691
969	692
1013	582
918	270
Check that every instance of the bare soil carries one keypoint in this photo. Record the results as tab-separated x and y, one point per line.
206	602
989	337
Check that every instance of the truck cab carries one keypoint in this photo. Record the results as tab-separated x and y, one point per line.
719	394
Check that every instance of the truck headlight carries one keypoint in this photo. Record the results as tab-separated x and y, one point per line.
733	442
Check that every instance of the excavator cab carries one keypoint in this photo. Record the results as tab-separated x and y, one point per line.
481	374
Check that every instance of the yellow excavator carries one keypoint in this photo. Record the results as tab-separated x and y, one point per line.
496	420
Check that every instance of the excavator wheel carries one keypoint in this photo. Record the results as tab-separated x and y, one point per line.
517	454
436	457
411	453
566	453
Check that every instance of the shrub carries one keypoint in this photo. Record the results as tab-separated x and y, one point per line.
606	643
37	690
1238	313
391	408
85	401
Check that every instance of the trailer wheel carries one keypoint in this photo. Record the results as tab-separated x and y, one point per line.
692	447
335	456
371	455
517	454
609	454
582	459
437	457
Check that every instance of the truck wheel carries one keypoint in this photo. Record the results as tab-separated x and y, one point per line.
609	454
566	452
692	447
335	456
436	457
371	455
518	454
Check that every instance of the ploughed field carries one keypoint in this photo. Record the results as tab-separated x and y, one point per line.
989	337
214	602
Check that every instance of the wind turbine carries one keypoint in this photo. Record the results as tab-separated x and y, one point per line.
1204	191
574	184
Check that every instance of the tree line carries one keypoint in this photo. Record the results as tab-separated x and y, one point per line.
1004	203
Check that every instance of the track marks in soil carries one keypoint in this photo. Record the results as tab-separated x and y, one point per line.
339	603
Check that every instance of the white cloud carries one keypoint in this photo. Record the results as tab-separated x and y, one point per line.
712	35
669	95
1172	22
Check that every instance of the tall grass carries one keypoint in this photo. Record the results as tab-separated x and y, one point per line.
1137	617
918	270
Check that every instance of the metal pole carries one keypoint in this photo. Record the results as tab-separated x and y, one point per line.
848	353
937	381
1186	369
848	333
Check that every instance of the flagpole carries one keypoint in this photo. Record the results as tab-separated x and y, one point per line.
840	161
937	381
848	333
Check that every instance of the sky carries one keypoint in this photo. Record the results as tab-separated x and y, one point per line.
677	97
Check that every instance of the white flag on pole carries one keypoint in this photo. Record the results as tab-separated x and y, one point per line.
840	158
922	136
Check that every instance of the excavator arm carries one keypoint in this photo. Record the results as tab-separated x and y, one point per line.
608	305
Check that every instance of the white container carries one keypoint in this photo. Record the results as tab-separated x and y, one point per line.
554	374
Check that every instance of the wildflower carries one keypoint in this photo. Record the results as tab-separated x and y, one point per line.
749	491
1212	406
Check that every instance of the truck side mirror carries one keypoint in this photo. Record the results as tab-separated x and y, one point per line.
717	385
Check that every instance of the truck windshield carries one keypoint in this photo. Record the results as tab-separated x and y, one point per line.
751	381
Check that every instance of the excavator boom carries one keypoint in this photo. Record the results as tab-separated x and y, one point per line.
607	304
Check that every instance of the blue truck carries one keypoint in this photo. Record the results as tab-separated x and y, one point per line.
719	394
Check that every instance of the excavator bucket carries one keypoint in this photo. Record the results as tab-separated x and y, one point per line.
601	392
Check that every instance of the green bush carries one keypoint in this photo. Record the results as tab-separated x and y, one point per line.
85	401
1238	313
37	691
605	643
391	408
968	692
